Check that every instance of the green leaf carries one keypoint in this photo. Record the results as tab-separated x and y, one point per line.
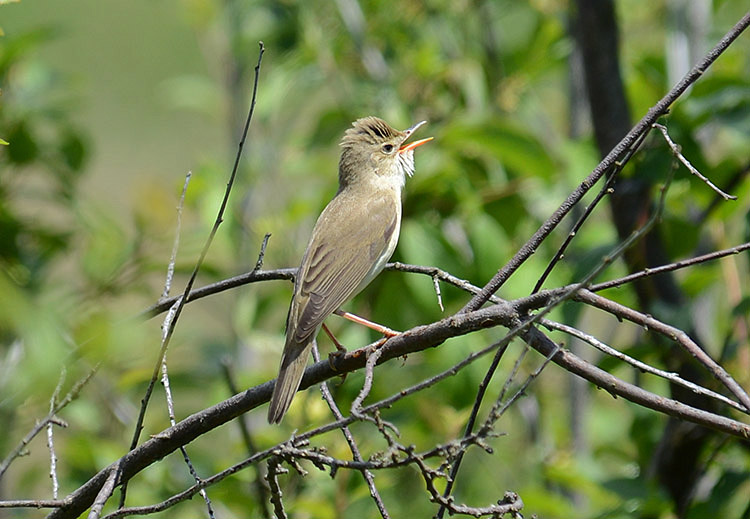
515	147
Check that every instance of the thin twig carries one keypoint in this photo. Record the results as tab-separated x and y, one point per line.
675	334
165	326
183	450
176	243
50	436
605	165
501	405
33	503
104	493
372	360
652	271
221	286
605	190
51	417
369	477
188	287
642	366
685	162
436	286
260	489
274	469
262	253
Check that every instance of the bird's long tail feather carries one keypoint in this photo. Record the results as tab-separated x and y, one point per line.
293	363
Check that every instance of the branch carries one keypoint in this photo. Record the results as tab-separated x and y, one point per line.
685	162
189	286
416	339
643	126
675	334
642	366
50	418
220	286
652	271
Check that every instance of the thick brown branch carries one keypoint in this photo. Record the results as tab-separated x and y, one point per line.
416	339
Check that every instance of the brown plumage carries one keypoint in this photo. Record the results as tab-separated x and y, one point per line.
352	240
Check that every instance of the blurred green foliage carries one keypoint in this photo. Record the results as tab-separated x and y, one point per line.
491	77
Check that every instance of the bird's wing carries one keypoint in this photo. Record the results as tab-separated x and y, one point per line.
345	245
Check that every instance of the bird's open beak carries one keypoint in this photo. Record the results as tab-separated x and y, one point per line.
412	145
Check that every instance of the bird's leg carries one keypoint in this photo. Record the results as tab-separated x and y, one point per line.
373	326
335	341
340	350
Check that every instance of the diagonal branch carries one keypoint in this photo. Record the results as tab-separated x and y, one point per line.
416	339
180	304
643	126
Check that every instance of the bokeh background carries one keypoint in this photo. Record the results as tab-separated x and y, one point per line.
108	105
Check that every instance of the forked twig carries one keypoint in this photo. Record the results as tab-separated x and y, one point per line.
191	281
685	162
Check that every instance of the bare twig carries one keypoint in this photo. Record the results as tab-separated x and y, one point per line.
605	165
50	418
642	366
188	287
436	285
605	190
685	162
50	437
183	450
32	503
274	469
262	253
652	271
176	243
260	489
672	333
165	326
372	360
221	286
368	476
105	492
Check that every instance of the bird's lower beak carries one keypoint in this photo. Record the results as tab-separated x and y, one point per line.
412	145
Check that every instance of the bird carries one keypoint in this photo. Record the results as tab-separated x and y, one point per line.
351	242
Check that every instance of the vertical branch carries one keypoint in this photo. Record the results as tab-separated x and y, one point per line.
356	455
260	489
274	469
188	287
50	438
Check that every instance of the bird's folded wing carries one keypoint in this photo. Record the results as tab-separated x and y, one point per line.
344	247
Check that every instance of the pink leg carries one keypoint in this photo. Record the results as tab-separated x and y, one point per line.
334	339
373	326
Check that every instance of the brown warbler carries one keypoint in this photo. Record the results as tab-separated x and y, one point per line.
351	242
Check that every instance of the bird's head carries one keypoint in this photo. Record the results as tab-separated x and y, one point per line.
372	147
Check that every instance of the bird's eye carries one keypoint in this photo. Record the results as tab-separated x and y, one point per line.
388	148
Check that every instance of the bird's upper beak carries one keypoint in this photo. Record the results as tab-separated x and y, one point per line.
412	145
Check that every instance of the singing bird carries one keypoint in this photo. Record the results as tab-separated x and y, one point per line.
351	242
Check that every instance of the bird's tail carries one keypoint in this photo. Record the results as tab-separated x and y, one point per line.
293	362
